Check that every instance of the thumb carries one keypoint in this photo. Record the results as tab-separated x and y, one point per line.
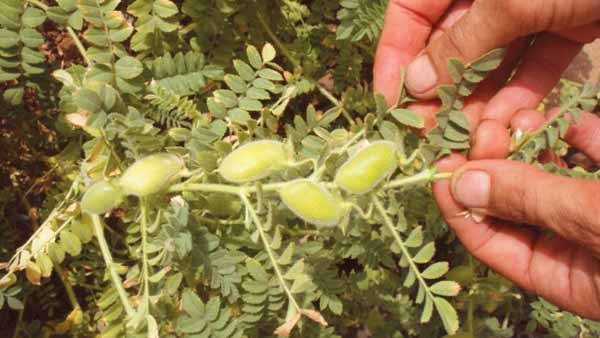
521	193
487	25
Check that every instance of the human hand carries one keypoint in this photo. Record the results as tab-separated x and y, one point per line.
563	267
557	267
466	29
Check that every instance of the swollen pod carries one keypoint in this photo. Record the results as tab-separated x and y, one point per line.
312	202
151	174
253	161
362	172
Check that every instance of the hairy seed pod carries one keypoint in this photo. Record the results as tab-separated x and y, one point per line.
312	202
368	167
100	198
253	161
151	174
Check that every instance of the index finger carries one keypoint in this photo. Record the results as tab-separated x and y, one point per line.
408	24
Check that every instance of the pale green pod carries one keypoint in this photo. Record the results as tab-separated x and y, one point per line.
100	198
253	161
367	168
312	202
151	174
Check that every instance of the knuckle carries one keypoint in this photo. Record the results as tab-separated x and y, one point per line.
526	15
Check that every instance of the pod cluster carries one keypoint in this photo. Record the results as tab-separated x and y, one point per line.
309	200
145	177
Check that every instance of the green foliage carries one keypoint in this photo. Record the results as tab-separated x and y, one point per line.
360	19
197	256
19	44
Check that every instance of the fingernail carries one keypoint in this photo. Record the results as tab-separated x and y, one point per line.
472	189
421	75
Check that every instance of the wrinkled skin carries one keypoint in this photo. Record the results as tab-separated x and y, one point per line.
418	37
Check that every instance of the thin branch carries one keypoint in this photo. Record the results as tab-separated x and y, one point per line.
110	265
79	45
267	245
68	287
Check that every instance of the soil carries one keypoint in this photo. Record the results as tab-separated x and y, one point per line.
586	66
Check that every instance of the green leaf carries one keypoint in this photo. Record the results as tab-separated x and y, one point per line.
254	57
192	304
459	118
33	17
88	100
8	38
489	61
425	254
226	97
435	270
236	83
70	243
258	94
250	104
410	279
244	70
415	239
456	69
447	313
270	74
408	118
268	53
31	37
67	5
239	115
256	270
427	311
295	271
301	284
45	264
165	8
445	288
128	67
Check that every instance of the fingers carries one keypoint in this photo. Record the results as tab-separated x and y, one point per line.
492	24
487	241
471	37
521	193
548	266
540	70
585	136
408	24
491	141
527	121
584	34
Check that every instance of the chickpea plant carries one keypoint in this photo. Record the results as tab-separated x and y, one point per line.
211	188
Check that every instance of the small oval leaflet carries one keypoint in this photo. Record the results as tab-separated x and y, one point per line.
312	202
150	174
368	167
253	161
100	198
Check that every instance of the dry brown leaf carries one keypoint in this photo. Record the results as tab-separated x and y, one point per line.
78	119
285	330
315	316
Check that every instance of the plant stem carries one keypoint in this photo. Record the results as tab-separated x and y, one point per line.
271	34
471	305
145	268
420	178
38	4
68	287
267	245
20	318
108	260
79	45
425	176
392	229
